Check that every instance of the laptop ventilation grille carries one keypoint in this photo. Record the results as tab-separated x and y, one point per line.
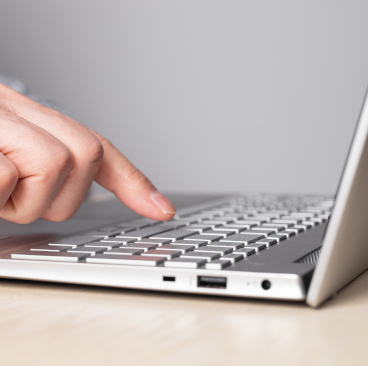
311	258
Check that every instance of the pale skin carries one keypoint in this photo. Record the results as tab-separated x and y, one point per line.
48	162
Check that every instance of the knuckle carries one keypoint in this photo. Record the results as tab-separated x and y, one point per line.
8	98
8	176
94	150
62	160
90	150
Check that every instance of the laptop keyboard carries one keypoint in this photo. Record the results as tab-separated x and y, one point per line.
213	238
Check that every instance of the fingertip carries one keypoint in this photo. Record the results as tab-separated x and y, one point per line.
163	203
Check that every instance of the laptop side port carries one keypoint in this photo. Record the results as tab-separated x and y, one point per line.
168	278
212	282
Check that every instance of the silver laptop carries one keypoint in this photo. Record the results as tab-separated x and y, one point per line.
300	248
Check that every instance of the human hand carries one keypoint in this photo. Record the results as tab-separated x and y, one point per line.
48	162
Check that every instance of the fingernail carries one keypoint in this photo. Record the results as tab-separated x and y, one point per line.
162	202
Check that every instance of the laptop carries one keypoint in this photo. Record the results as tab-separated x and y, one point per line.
286	247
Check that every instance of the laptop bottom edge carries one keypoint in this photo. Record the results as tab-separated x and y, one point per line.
262	285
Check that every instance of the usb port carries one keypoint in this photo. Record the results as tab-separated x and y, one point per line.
168	279
212	282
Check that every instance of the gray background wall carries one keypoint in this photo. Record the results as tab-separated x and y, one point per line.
203	96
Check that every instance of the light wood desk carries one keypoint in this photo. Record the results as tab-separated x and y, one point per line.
55	324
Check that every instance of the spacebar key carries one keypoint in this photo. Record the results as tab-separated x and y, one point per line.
135	260
50	256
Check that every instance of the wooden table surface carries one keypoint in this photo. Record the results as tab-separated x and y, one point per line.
56	324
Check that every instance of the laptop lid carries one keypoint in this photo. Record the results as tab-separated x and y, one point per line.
344	253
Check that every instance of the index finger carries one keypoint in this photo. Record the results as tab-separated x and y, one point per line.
118	175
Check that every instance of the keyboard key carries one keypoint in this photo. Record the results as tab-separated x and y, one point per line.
126	227
51	248
267	241
303	215
195	243
221	250
91	251
265	230
236	230
288	233
294	230
257	246
270	215
212	223
225	230
189	220
236	216
233	257
74	240
286	222
251	223
243	238
174	224
278	237
278	227
231	217
101	244
317	211
185	262
117	240
159	242
246	252
218	264
143	222
173	235
233	246
169	254
224	233
316	220
202	217
223	220
198	230
202	255
181	248
239	227
205	238
302	227
309	224
124	251
220	209
217	211
50	256
103	234
260	219
293	219
135	260
193	230
251	212
199	227
280	212
144	233
144	247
